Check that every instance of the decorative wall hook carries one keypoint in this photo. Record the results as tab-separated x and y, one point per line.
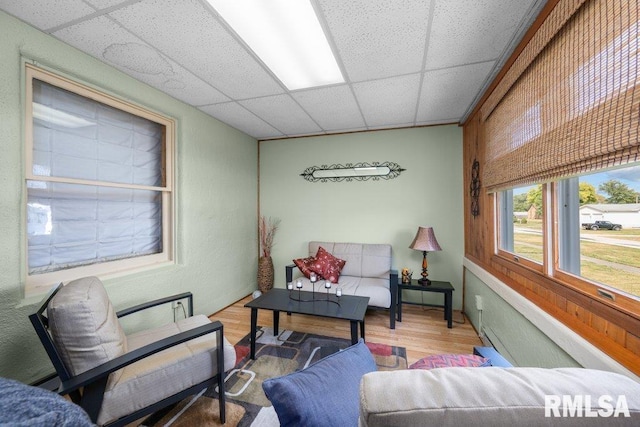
475	188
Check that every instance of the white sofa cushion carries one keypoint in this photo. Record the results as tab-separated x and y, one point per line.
488	396
376	289
363	259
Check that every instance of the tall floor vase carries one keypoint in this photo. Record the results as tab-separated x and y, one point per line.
265	273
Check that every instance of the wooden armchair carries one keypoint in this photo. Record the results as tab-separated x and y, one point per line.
117	378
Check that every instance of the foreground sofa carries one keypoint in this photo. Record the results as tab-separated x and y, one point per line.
497	397
367	272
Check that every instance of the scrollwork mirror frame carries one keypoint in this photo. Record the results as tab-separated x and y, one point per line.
362	171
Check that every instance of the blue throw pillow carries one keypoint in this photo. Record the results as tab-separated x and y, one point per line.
24	405
326	393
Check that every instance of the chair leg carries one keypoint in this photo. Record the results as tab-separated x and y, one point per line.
221	373
393	288
221	398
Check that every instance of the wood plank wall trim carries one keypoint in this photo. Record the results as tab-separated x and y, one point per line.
577	347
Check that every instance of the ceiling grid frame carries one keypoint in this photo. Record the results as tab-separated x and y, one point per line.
447	90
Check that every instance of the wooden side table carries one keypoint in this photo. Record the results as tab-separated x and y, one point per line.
442	287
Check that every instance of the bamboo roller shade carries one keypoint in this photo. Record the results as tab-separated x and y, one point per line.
569	103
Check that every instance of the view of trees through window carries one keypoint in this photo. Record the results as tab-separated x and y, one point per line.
608	219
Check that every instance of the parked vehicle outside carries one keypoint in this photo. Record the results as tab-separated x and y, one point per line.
601	225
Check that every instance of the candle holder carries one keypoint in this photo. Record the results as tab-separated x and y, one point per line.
299	287
327	286
313	278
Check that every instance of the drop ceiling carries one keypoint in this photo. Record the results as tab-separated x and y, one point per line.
406	62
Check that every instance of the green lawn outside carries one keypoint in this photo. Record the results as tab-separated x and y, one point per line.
530	246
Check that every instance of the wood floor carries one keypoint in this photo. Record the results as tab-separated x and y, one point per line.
423	330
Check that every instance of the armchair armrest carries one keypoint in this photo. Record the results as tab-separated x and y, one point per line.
289	272
102	371
157	302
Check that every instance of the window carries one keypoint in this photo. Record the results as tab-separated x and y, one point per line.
599	228
521	221
98	181
597	237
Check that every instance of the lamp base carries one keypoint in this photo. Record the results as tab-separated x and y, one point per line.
424	282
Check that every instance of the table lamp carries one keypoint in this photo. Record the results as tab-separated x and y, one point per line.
425	241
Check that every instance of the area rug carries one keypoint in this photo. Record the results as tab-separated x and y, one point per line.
279	355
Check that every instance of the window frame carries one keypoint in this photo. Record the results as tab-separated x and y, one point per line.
550	269
513	257
36	284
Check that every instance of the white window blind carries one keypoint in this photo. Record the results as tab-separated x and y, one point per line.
97	195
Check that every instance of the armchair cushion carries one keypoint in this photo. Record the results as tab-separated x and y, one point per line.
84	325
184	365
87	334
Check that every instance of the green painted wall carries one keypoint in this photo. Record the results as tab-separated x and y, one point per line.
428	193
512	334
216	201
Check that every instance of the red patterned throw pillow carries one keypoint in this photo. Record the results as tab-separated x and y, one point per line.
304	265
450	360
328	266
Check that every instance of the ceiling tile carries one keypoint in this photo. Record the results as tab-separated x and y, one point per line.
107	41
333	108
210	52
388	101
378	38
468	31
104	4
240	118
46	14
446	94
187	51
283	113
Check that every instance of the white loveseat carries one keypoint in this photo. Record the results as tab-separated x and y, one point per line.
367	272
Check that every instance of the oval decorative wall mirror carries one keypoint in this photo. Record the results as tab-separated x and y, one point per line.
362	171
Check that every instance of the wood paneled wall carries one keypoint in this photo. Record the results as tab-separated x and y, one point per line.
614	331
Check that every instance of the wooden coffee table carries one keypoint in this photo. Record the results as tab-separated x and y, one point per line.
347	307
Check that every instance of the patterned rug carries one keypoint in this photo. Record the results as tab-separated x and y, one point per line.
247	404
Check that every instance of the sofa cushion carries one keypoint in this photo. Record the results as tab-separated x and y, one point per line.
327	265
305	265
450	360
496	396
325	393
376	289
362	259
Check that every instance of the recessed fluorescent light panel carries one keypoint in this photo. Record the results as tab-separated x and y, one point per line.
286	35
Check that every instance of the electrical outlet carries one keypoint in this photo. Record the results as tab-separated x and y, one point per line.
479	304
176	304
